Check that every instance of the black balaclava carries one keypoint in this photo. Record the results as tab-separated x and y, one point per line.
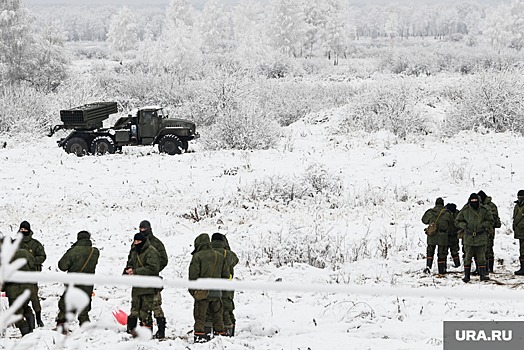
27	226
482	196
520	197
142	238
145	227
217	237
474	201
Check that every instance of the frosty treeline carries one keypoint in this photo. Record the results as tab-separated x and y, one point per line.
254	68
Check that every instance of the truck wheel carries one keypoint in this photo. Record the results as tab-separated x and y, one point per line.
170	144
102	145
76	145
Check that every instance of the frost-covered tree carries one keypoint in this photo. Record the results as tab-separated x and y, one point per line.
249	33
215	27
497	27
335	37
287	26
15	40
315	18
123	30
178	49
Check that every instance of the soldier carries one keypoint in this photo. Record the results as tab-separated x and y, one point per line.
220	244
490	255
82	257
145	228
518	228
26	324
207	263
443	220
144	261
37	250
475	219
453	240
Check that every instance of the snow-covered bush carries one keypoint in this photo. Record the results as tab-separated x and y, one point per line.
490	100
388	105
23	110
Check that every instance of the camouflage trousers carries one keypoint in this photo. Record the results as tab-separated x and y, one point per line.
142	308
83	315
25	309
157	305
200	310
453	244
490	255
229	316
521	251
442	251
35	300
475	251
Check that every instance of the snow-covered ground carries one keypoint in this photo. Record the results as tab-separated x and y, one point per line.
364	227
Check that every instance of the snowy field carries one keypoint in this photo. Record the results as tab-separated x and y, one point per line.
322	209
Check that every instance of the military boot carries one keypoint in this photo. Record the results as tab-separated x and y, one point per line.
30	319
201	337
521	271
491	265
467	272
232	330
39	318
25	329
161	323
429	262
229	330
208	329
441	267
131	325
456	261
483	274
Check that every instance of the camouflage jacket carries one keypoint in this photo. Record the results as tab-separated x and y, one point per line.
14	290
145	263
159	246
494	212
475	223
518	220
206	262
230	261
36	249
82	257
444	223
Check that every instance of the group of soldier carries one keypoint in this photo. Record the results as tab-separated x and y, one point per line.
475	226
211	258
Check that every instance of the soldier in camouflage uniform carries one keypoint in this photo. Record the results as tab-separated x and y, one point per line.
220	244
476	220
207	263
37	249
82	257
144	261
518	228
444	220
490	255
145	228
13	290
453	240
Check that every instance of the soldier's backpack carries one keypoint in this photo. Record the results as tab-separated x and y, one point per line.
433	227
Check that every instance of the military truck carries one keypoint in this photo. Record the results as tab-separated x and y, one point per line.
148	126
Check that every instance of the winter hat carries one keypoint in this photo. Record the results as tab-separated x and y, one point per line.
439	201
482	196
520	193
217	236
83	235
25	225
144	224
473	196
139	237
452	207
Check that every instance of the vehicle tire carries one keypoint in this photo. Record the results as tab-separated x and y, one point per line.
185	145
170	144
103	145
76	145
